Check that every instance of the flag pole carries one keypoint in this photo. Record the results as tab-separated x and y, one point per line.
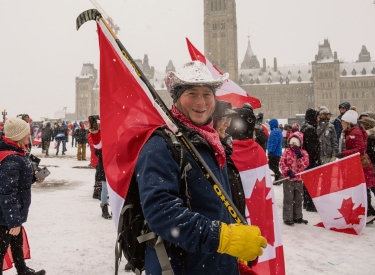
94	14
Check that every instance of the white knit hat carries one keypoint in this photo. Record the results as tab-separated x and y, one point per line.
350	116
16	129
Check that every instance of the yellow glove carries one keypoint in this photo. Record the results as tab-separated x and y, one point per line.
242	241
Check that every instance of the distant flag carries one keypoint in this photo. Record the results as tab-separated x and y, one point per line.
230	91
261	209
338	190
129	115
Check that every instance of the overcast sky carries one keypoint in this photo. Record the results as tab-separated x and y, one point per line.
41	53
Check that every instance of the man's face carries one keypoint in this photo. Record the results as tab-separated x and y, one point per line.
197	104
26	118
342	110
323	116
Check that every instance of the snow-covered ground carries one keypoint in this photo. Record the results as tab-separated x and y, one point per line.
67	234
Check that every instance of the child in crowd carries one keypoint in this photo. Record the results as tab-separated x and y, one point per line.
293	161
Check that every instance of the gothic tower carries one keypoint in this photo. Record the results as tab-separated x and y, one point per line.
220	35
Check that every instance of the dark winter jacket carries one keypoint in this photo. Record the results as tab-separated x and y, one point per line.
261	138
337	121
16	177
355	141
328	140
61	132
80	135
275	140
371	145
47	133
238	195
196	231
311	141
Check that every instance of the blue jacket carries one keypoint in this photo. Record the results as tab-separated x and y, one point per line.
337	121
16	177
196	231
275	140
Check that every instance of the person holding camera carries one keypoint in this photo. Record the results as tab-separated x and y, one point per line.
95	137
16	176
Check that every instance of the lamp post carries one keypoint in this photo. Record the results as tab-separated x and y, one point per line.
4	113
64	108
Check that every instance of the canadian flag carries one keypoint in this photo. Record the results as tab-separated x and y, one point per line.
129	115
230	91
261	209
338	190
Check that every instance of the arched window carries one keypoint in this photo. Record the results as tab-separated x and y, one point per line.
219	4
212	5
216	5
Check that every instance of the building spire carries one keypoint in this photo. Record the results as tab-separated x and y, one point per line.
250	60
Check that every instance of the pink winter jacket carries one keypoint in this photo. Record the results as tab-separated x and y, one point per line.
289	159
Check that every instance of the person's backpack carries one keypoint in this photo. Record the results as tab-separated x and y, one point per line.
134	234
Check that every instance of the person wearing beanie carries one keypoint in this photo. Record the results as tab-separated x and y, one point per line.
274	149
329	146
16	176
214	248
293	161
343	107
355	142
311	144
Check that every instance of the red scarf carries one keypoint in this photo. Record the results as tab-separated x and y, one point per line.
207	132
4	154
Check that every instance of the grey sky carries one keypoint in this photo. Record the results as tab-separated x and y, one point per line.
41	53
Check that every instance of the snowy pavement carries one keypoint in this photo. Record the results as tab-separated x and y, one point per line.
67	234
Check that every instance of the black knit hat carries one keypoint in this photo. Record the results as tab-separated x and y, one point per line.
243	124
222	109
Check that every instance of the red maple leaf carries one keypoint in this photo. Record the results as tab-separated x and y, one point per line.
260	209
350	215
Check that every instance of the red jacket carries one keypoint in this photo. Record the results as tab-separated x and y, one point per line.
356	142
289	160
92	140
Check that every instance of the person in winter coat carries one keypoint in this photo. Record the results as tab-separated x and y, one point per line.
311	144
16	177
80	135
95	136
74	127
47	137
274	148
207	233
343	107
329	146
27	119
294	160
261	137
369	124
61	134
356	142
222	118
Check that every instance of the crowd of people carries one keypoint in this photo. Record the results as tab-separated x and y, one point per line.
212	126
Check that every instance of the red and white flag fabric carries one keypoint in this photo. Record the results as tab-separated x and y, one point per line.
230	91
338	190
261	209
129	115
8	259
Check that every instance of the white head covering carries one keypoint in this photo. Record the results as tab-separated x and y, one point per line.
350	116
16	129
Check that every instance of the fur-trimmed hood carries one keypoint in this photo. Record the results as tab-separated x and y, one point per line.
298	135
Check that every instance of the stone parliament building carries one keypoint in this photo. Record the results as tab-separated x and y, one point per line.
283	91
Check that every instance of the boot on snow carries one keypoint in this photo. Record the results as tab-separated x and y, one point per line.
105	213
29	271
300	220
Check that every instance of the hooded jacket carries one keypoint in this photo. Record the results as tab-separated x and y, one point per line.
371	145
47	133
337	121
356	140
311	141
16	177
289	160
275	140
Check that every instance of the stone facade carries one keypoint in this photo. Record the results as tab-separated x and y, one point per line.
220	35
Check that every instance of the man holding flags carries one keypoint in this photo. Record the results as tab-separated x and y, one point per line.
206	232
